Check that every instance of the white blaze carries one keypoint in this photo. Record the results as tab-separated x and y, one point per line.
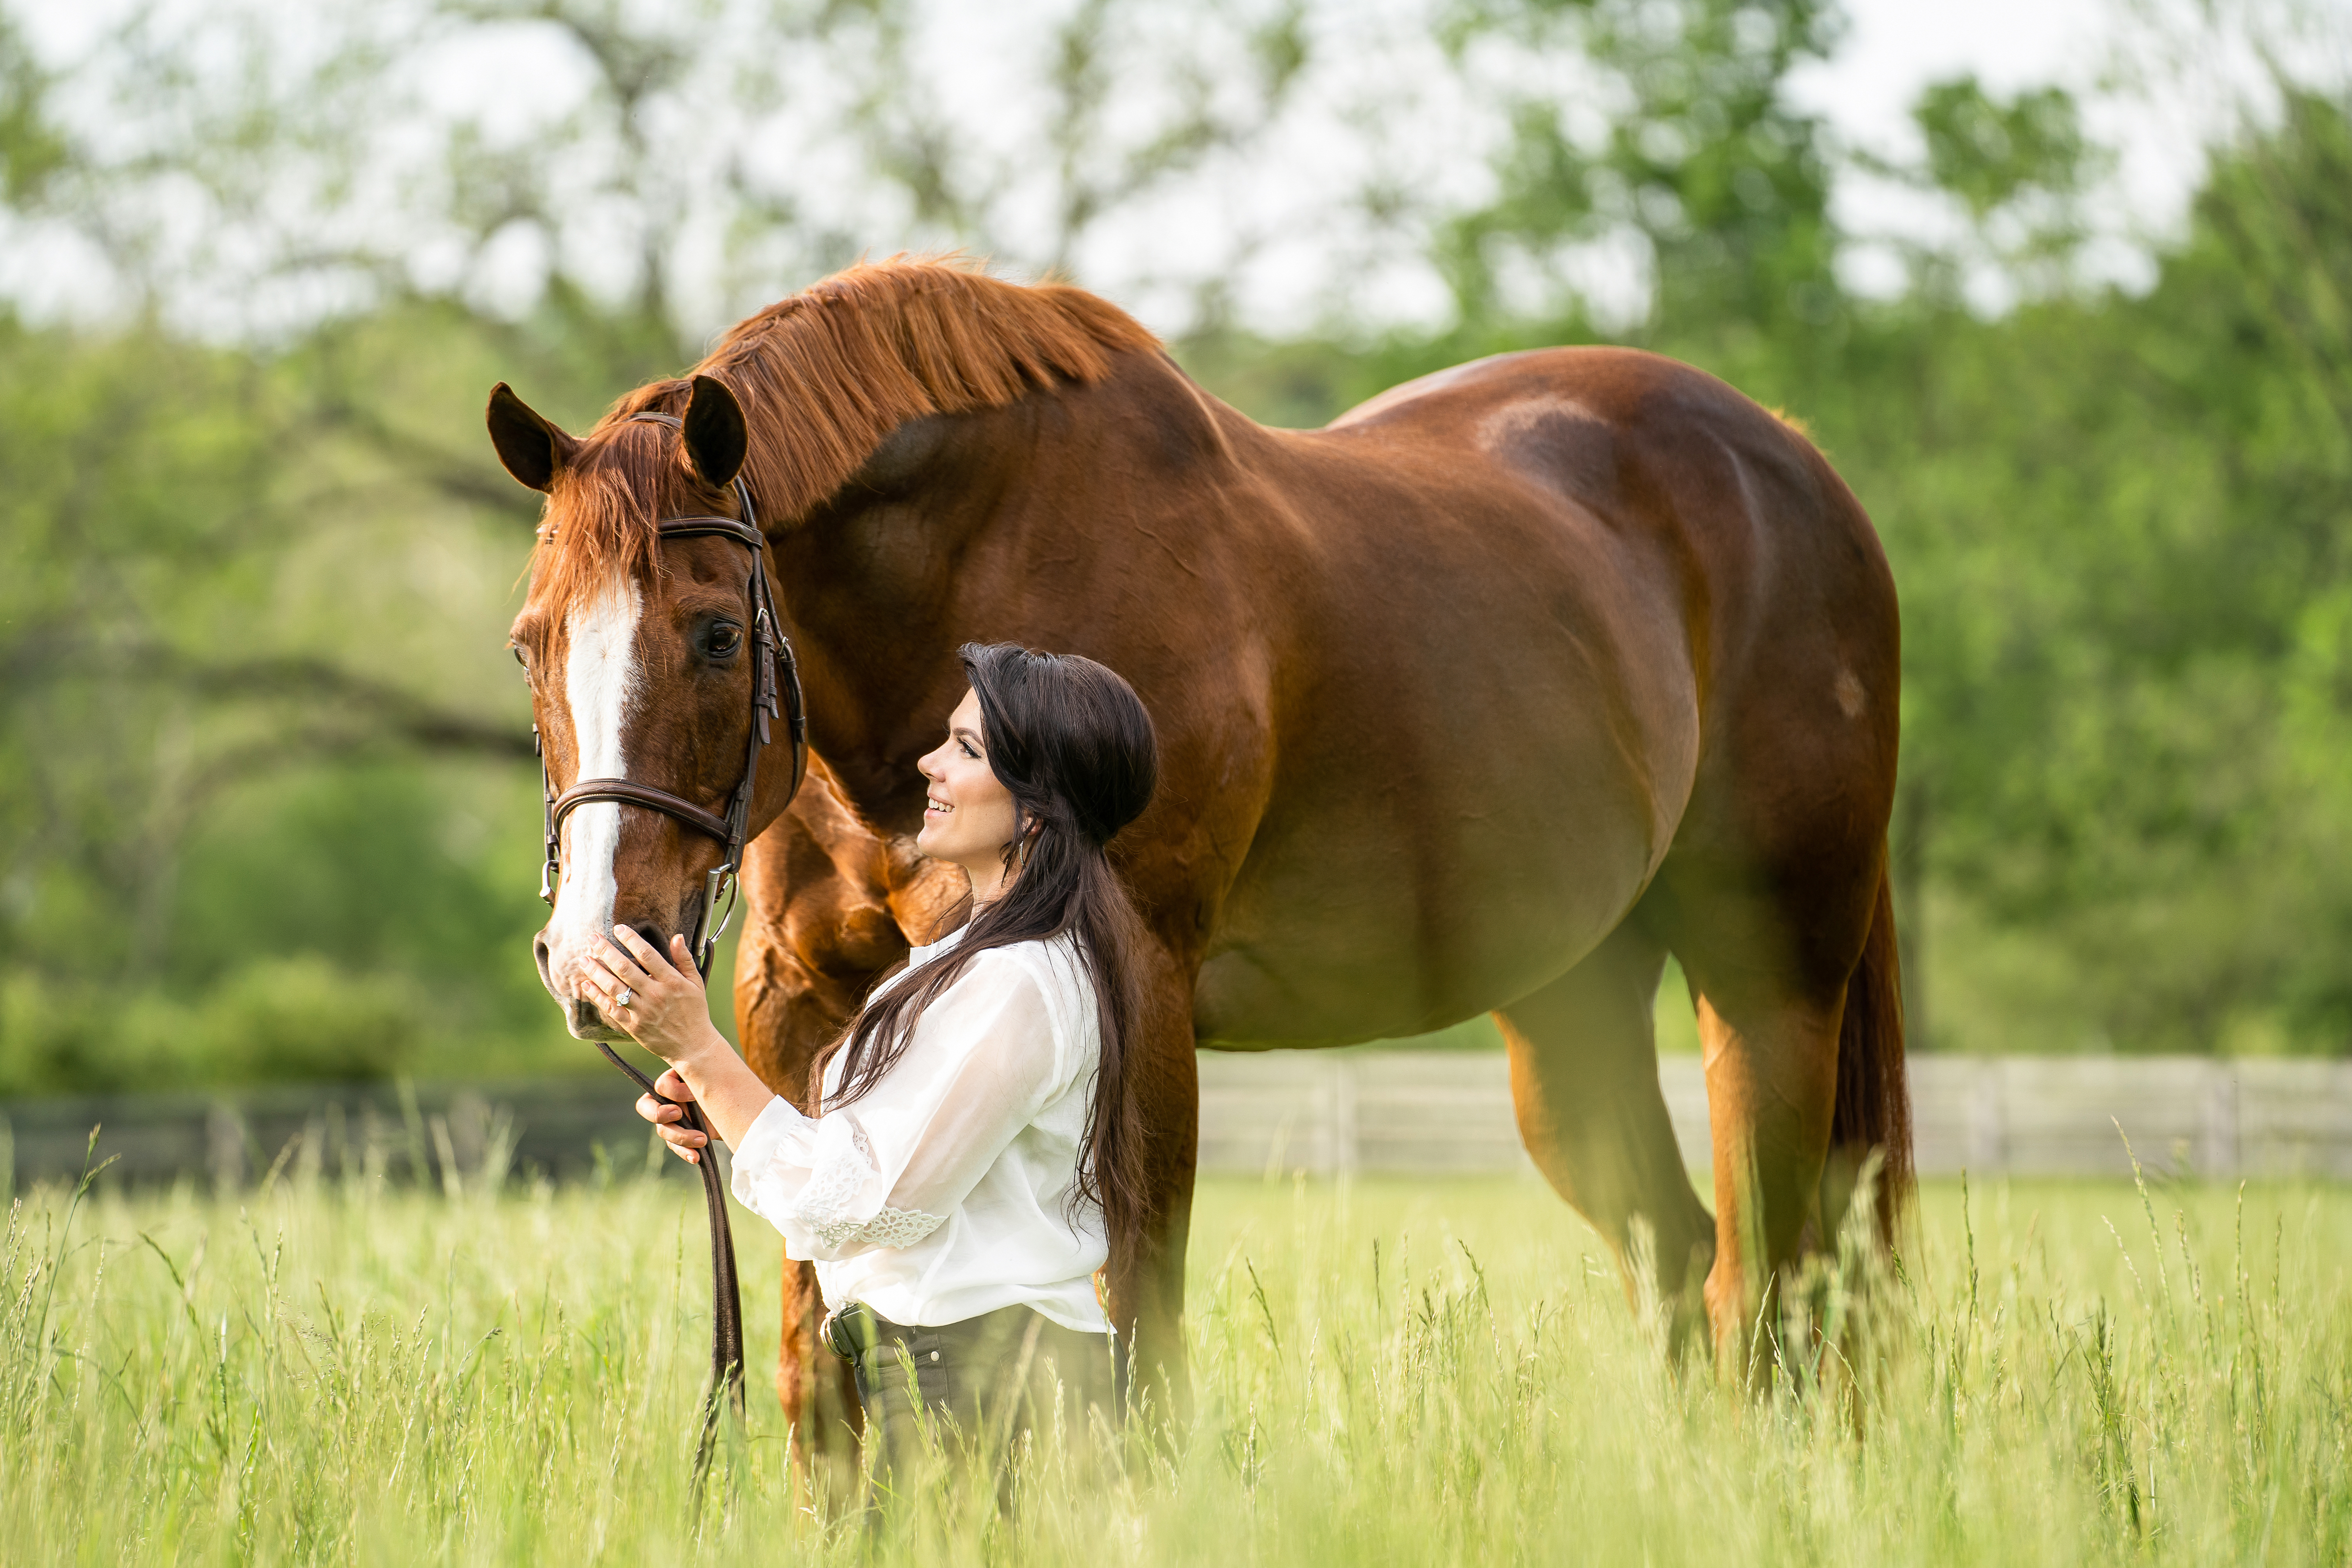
600	676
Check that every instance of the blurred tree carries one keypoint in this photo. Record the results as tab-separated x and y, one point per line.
264	806
188	609
1668	124
2120	524
1990	153
265	802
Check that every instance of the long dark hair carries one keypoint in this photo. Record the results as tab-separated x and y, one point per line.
1073	744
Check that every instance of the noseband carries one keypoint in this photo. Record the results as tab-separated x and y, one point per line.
775	694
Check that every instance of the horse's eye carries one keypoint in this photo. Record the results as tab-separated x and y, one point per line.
725	640
522	657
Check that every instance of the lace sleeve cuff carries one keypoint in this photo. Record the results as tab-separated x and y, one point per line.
819	1183
832	1206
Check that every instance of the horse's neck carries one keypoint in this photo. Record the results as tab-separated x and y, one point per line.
1010	509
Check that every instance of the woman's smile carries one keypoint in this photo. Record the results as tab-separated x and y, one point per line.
969	817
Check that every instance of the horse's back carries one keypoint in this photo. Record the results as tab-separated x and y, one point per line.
1617	430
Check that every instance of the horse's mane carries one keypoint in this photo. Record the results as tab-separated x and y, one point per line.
823	377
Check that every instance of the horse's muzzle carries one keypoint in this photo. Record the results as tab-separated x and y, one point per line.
587	1023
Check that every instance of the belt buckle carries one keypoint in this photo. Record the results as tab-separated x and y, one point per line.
848	1329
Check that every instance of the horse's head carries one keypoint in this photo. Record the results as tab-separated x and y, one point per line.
643	657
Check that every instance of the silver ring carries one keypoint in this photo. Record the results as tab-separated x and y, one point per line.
624	999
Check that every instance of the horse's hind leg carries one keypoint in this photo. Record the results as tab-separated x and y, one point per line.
1769	966
1584	1081
1771	1090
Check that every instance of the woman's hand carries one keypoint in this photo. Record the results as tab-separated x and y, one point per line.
684	1142
658	1000
661	1003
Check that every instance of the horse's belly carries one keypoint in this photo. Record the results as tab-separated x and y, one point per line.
1401	911
1358	980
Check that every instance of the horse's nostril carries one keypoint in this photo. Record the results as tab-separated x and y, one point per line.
652	938
539	952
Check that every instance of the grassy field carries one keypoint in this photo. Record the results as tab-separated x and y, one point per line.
1386	1371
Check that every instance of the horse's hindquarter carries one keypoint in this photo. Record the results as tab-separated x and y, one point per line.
1485	713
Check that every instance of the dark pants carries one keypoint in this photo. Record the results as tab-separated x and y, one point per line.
979	1387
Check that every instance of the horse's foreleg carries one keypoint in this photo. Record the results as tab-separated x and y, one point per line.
816	1388
797	1367
1146	1273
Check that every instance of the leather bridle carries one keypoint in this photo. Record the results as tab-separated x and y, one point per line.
775	694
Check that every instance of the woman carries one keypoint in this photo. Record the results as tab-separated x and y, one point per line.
978	1135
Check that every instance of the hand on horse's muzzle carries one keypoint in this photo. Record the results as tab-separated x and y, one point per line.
657	998
684	1142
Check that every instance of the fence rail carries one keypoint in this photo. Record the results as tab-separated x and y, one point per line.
1316	1111
1403	1110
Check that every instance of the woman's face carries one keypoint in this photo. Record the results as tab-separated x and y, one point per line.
968	816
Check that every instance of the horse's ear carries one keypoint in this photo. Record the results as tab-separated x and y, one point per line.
716	439
533	450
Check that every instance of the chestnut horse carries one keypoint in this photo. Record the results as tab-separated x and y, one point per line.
1484	697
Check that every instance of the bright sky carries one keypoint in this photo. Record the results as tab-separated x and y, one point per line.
1380	56
1893	47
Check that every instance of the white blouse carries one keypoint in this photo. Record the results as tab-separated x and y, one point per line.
944	1192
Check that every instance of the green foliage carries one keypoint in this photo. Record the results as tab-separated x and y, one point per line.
1697	152
226	624
31	148
1391	1371
1989	153
2120	529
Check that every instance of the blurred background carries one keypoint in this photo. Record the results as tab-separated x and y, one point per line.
2065	290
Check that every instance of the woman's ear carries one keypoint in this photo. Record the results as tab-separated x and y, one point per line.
716	438
532	448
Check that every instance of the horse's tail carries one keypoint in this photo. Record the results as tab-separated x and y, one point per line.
1873	1101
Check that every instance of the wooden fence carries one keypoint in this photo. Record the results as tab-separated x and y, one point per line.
1406	1110
1282	1111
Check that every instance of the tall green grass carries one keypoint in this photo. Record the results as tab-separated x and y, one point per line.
1387	1371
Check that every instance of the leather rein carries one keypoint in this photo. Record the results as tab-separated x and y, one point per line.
775	694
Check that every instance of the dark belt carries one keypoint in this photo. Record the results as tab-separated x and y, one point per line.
854	1331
